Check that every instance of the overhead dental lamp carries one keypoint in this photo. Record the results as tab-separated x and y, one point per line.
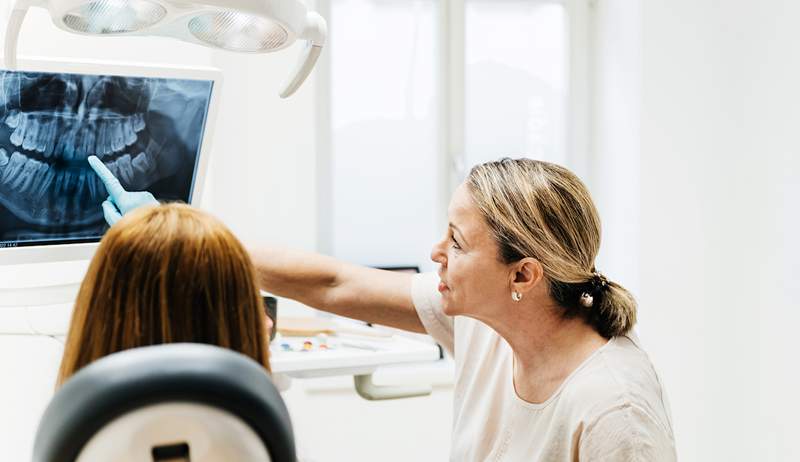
247	26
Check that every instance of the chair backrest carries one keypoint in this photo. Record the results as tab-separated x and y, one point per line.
175	402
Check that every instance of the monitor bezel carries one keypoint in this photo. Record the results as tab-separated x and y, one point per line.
84	251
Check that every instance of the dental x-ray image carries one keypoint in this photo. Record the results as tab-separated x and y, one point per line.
147	131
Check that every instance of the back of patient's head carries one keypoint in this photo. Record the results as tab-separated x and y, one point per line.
166	274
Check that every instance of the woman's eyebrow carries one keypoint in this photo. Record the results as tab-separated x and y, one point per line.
463	241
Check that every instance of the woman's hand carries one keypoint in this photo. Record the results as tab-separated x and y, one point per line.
119	200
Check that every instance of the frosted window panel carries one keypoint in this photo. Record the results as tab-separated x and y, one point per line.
384	137
516	58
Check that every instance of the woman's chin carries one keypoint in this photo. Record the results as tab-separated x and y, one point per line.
448	307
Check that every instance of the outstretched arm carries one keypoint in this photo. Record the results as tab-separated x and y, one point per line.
322	282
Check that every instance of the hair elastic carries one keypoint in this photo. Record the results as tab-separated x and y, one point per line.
599	283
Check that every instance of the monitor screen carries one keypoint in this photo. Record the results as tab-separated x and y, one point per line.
147	130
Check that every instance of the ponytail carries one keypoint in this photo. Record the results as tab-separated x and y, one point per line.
608	307
615	314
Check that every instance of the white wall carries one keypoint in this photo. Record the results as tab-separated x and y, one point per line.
614	172
262	173
719	165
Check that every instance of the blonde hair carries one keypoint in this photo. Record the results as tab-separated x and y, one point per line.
166	274
542	210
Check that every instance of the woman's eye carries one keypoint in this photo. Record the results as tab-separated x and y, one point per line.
455	243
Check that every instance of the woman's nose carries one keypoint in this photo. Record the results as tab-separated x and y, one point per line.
438	254
269	323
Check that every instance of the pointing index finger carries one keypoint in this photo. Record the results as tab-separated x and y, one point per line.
111	182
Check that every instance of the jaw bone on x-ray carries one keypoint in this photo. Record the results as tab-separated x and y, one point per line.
146	130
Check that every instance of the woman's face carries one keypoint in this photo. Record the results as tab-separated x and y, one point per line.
473	280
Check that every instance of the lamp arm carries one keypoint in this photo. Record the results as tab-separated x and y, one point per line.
316	31
12	35
12	31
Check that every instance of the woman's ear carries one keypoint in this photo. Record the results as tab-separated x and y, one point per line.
526	274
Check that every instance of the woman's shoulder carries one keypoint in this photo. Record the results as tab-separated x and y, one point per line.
621	369
620	376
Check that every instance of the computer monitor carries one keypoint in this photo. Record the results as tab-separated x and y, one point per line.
150	125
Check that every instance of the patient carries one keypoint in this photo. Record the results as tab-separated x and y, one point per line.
166	274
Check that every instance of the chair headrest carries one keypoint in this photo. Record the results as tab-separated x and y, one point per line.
186	372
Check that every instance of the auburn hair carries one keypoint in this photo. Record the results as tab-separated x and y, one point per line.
166	274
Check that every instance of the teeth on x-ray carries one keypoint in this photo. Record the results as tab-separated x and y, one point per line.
36	178
143	129
128	169
13	168
47	178
24	168
143	163
63	135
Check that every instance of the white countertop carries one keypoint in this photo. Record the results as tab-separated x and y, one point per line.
351	355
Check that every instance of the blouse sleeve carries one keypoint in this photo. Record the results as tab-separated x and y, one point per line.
428	303
626	434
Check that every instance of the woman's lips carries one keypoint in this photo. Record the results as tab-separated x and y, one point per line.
443	287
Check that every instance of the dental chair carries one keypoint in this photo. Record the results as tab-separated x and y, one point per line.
176	402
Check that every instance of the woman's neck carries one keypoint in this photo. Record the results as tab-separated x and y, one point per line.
547	348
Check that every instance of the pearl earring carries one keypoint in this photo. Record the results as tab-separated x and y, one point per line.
516	296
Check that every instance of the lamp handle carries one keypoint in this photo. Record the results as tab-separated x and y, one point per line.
367	389
316	31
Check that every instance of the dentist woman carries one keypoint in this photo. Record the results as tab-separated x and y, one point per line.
547	368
